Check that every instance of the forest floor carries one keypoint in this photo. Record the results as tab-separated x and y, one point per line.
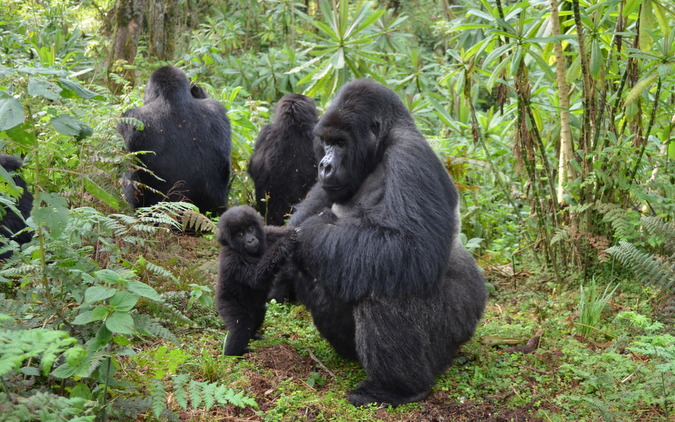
526	362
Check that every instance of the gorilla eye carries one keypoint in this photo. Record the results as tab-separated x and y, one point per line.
341	143
240	234
250	229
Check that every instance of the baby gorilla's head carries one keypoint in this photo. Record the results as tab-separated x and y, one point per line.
241	228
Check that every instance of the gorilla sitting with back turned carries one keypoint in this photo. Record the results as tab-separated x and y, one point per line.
283	164
389	282
188	136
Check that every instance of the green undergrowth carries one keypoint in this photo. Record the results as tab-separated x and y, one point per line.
622	370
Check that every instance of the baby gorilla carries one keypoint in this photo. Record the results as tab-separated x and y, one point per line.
243	285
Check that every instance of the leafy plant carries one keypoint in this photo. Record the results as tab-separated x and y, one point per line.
591	307
341	47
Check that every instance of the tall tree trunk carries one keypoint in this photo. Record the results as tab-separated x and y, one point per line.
565	169
127	29
161	17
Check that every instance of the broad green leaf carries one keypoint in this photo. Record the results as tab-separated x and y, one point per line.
110	276
83	318
22	134
630	7
124	301
100	193
99	313
71	126
596	58
647	21
640	87
144	290
72	89
103	337
671	149
483	15
97	293
120	322
51	212
11	113
63	371
41	87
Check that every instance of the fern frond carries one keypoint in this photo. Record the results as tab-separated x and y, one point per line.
208	392
238	399
174	312
158	395
148	325
647	267
19	271
159	270
179	392
139	125
195	389
198	222
95	361
620	220
561	234
659	227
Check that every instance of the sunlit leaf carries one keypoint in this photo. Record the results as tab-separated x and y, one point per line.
640	87
23	134
11	113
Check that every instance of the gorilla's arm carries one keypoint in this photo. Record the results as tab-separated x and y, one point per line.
316	202
278	253
275	233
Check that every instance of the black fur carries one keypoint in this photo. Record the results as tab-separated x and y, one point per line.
283	164
392	284
241	291
11	222
198	92
189	136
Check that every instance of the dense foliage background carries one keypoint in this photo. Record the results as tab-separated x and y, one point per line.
555	119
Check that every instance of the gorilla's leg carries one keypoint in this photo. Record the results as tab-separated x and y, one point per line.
334	319
397	343
240	332
259	319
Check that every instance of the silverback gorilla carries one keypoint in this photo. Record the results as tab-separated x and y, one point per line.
242	288
188	136
283	164
389	281
11	222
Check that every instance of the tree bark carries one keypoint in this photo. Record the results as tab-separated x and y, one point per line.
128	25
565	169
161	18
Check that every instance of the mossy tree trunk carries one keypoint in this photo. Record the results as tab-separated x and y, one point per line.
161	18
128	25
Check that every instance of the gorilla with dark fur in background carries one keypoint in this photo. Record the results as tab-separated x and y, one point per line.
188	136
10	222
283	164
388	280
241	291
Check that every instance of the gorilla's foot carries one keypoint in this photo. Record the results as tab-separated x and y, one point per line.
365	395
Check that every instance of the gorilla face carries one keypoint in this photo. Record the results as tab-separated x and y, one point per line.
248	240
349	147
242	229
